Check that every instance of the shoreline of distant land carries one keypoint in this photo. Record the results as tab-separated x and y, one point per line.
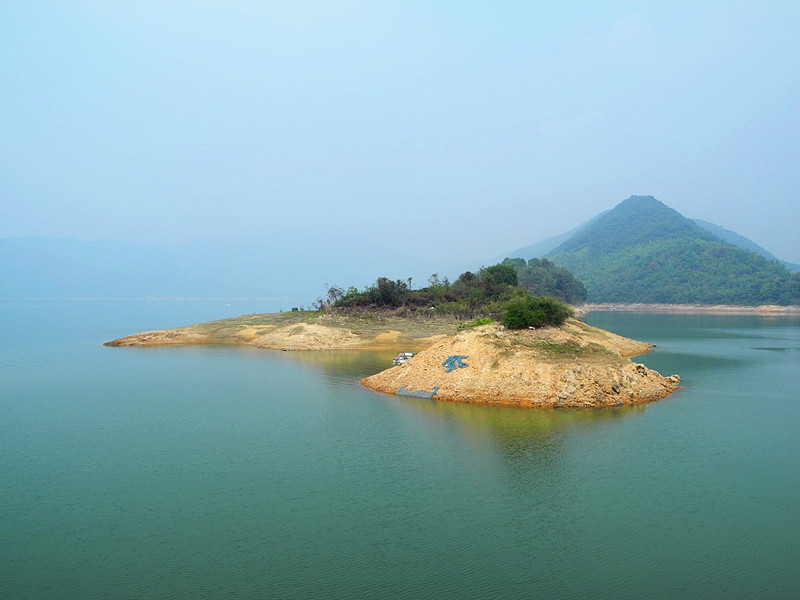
770	310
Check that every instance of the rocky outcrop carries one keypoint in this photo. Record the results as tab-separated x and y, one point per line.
572	366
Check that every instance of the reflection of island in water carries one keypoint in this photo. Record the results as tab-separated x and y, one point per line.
530	457
521	437
518	433
340	366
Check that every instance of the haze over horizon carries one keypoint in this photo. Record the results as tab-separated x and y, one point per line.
470	128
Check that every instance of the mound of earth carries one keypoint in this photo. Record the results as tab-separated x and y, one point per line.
570	366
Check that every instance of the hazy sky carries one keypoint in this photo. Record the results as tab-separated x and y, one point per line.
474	127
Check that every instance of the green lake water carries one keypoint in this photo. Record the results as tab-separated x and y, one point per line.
229	472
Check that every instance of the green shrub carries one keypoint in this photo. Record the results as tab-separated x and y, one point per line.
476	323
524	311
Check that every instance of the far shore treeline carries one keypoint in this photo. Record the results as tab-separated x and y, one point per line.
520	294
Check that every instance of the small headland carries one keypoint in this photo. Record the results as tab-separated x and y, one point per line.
307	330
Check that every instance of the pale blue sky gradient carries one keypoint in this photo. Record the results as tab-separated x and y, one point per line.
473	126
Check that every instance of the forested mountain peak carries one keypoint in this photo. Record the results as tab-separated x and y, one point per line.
637	220
644	251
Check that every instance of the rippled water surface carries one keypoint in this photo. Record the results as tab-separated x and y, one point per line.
208	472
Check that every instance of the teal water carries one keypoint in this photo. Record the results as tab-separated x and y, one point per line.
209	472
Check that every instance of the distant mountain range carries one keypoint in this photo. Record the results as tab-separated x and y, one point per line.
644	251
640	251
294	267
726	235
544	247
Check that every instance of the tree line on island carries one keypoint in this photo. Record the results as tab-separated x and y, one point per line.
517	293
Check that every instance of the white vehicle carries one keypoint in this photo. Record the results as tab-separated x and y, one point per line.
402	357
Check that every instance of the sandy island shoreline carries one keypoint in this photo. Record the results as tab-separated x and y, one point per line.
574	365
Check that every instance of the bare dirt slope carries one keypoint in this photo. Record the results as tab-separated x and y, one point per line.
572	366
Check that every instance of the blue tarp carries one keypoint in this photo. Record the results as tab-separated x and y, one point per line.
417	394
454	362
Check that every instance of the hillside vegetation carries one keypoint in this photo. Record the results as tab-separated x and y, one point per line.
731	237
543	278
644	251
492	293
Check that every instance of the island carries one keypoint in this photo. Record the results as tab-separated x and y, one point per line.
572	365
483	339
